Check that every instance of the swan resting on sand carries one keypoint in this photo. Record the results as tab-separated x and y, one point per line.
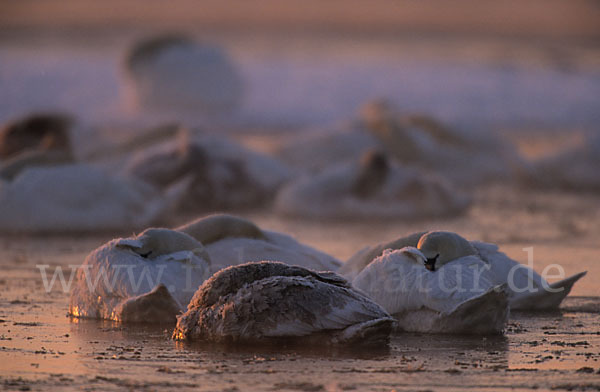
526	289
270	301
147	278
216	174
175	72
464	158
231	240
75	198
151	277
373	188
458	298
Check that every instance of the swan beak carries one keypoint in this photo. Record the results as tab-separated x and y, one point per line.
430	263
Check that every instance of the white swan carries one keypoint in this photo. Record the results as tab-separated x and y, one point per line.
573	169
216	174
175	73
147	278
230	240
526	289
375	187
75	198
457	298
463	158
257	302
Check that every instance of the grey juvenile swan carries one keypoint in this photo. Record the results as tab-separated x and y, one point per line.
265	301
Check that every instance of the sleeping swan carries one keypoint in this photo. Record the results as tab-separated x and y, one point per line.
147	278
231	240
458	298
526	289
374	187
216	174
76	198
175	72
270	301
464	158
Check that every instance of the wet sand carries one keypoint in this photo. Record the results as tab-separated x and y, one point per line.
43	349
492	68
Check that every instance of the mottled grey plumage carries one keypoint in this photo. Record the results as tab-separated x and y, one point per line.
269	300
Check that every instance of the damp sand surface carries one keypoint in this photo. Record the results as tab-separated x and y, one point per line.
41	348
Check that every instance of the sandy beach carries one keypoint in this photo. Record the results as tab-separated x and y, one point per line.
44	349
529	77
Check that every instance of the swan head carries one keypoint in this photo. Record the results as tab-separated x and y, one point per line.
441	247
152	243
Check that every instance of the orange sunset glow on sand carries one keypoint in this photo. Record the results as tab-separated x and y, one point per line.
299	196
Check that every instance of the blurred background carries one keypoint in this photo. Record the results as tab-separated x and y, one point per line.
475	63
525	70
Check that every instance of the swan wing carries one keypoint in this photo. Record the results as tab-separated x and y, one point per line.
455	283
279	306
394	281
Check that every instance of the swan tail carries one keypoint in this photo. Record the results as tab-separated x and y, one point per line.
546	298
567	284
486	314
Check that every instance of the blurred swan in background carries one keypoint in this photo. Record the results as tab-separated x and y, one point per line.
457	298
526	289
374	187
463	158
148	278
76	198
258	302
175	73
231	240
215	173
